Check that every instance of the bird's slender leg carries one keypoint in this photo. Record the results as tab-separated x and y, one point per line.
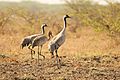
31	51
52	55
41	54
57	59
38	54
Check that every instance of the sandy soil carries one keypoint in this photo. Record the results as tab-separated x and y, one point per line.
106	67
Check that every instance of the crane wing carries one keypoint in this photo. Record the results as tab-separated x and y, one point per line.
39	40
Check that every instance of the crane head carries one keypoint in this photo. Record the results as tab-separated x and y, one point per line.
44	25
50	35
66	16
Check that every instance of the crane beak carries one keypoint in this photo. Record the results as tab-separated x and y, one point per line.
69	17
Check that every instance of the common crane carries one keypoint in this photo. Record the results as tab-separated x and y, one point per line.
57	41
39	41
27	41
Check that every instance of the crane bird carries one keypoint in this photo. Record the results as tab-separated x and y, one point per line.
27	41
39	41
58	40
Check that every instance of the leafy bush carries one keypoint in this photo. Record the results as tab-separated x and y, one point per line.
101	17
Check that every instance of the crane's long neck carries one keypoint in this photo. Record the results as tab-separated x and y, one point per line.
43	30
65	25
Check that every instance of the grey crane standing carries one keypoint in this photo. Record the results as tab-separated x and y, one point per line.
27	41
57	41
39	41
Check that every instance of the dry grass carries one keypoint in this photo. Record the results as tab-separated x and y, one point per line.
87	55
89	43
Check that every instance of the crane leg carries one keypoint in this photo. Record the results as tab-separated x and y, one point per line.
58	60
31	51
38	54
52	55
41	54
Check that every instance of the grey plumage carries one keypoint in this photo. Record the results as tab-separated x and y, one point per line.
39	41
27	41
58	40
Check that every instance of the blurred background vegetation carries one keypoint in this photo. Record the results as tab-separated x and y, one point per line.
100	17
21	19
85	13
27	16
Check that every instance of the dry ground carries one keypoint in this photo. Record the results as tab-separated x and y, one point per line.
104	67
87	56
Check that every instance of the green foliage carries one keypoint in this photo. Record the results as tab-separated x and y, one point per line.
100	17
28	16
